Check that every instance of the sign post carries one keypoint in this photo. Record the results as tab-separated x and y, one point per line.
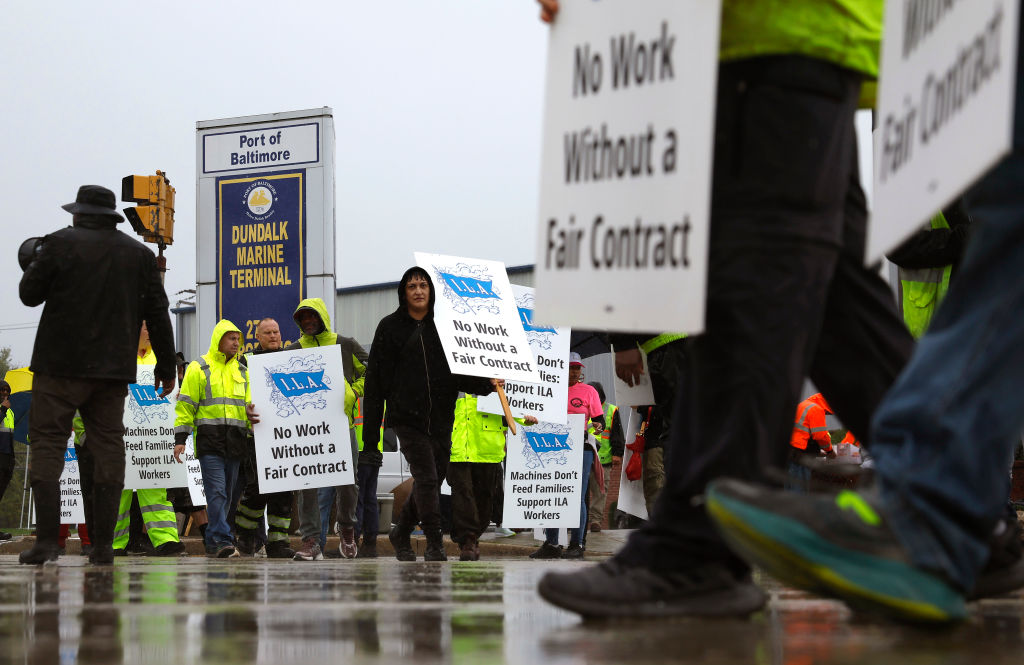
264	219
626	164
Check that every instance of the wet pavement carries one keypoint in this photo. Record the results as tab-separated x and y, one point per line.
196	610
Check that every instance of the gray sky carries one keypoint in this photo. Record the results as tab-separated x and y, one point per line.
437	111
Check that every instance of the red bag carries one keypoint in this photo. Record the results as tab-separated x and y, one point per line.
635	467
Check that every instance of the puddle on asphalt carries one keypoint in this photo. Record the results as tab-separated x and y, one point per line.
186	611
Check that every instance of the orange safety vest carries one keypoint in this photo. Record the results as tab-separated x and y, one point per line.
810	424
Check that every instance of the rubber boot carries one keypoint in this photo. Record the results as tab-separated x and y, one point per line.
106	499
47	498
435	546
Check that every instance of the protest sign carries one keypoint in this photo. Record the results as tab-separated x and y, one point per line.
149	437
302	439
476	318
550	346
542	475
72	510
626	164
945	108
631	492
196	489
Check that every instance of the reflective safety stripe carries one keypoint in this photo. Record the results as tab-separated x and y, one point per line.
6	429
234	422
122	532
282	522
186	399
156	508
816	429
205	366
160	525
178	429
660	341
244	522
926	275
249	512
276	537
802	427
227	401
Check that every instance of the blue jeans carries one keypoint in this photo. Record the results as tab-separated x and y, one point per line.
220	476
944	434
577	536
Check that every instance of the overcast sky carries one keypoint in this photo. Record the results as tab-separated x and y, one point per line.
437	112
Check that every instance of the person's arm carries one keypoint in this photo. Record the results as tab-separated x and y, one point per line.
359	360
815	422
617	441
35	283
158	322
380	369
185	408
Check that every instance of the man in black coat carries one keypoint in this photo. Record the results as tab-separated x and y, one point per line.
105	284
409	371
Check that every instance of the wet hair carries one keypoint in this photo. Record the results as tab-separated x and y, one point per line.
4	384
415	271
596	385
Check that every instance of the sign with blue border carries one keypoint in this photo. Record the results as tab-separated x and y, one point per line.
260	249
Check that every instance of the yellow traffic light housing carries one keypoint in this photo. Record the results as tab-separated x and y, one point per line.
155	221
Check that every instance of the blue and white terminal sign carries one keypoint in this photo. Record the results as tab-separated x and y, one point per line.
265	220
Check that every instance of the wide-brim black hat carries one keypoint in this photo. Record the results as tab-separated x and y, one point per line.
94	200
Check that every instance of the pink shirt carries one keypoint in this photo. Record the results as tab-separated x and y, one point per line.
584	399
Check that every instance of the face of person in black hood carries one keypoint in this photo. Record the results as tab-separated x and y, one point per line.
417	296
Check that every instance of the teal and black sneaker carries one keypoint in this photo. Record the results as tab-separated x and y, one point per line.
834	545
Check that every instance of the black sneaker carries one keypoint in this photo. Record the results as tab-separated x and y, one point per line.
574	551
1004	571
402	545
367	550
836	545
548	551
612	589
6	536
221	552
279	549
170	548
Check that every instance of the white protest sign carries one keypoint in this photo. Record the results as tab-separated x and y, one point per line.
550	346
626	164
72	510
149	437
476	318
945	108
542	475
631	492
641	392
196	488
302	438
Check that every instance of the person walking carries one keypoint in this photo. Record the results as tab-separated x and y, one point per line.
409	372
107	284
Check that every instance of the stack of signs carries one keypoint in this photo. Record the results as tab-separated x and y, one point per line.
543	483
196	488
477	319
72	510
631	492
149	437
945	108
550	346
302	439
626	164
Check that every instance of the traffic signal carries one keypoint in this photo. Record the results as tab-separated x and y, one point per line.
154	220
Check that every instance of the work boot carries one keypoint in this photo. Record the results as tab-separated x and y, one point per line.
347	547
574	551
548	551
106	499
367	549
47	497
399	538
6	536
170	548
246	543
466	549
279	549
435	546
